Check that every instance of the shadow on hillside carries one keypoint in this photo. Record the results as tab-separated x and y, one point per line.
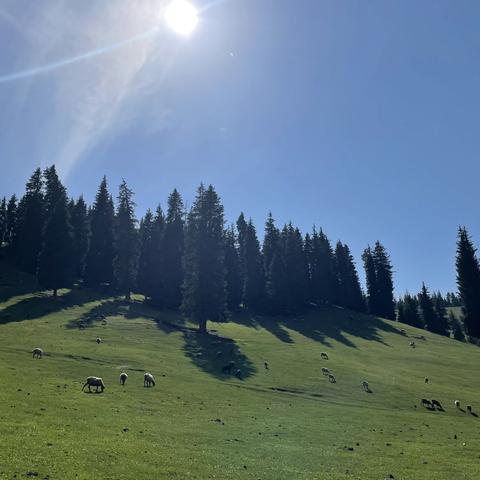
14	283
212	353
42	304
321	325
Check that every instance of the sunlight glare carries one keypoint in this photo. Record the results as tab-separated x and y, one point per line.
181	16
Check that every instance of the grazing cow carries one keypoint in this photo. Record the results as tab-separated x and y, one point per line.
324	356
365	386
437	404
325	371
412	344
96	382
238	374
123	378
37	353
265	364
99	340
469	408
331	378
228	367
426	379
148	380
457	403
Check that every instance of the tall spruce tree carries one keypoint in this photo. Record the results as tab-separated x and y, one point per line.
30	223
408	311
350	291
468	281
322	270
172	251
156	267
371	281
427	310
55	263
3	220
456	327
11	221
254	277
384	282
126	243
233	277
242	237
204	285
145	263
441	327
99	263
81	235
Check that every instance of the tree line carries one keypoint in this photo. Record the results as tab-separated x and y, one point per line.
191	261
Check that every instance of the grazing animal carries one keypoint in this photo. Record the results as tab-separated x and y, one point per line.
238	374
331	378
437	404
99	340
365	386
325	371
412	344
148	380
37	353
427	403
426	379
457	403
324	356
123	378
228	367
96	382
469	408
266	365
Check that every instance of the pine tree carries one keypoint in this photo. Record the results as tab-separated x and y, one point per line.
55	265
3	220
204	285
442	326
30	223
81	235
427	310
350	291
126	243
456	327
384	282
242	236
99	263
408	311
323	279
468	281
371	280
156	267
54	191
254	281
11	221
172	251
232	271
270	241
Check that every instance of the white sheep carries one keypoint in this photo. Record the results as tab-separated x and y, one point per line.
457	403
123	378
148	380
99	340
96	382
37	353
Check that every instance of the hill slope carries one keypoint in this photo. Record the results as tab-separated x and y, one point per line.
287	422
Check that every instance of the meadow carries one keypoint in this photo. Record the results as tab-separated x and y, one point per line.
287	422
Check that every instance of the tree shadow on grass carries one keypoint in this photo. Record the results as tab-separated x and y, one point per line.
14	282
212	353
42	304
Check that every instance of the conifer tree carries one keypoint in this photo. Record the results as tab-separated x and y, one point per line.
384	282
442	326
323	279
204	285
350	292
233	278
270	241
254	281
427	310
81	235
99	263
468	281
156	256
408	311
242	236
55	263
371	280
456	327
126	243
172	251
11	221
29	228
3	220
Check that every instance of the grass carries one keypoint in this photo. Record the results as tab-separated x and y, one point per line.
285	423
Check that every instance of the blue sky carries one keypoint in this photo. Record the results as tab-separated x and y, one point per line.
359	117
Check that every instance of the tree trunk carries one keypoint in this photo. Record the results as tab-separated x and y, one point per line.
202	326
55	293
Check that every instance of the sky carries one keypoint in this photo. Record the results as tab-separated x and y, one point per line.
361	118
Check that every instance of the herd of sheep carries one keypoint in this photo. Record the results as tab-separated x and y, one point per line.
149	379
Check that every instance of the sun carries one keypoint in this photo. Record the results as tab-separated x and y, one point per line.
181	16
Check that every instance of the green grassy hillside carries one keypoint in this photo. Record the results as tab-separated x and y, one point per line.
287	422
